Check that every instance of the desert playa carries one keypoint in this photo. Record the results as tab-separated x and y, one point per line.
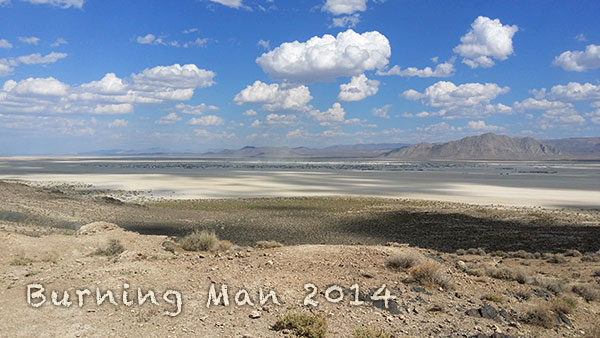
545	184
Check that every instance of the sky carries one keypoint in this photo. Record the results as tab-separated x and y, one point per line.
198	75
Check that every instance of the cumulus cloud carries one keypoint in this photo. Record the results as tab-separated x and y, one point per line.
118	123
328	57
229	3
208	120
487	40
266	44
170	118
49	124
31	40
5	44
579	61
280	119
358	88
109	95
275	96
594	116
445	69
37	58
554	112
573	91
340	7
210	135
334	115
543	104
447	94
250	112
195	110
382	111
146	39
482	126
349	21
58	3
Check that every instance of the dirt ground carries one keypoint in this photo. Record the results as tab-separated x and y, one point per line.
46	239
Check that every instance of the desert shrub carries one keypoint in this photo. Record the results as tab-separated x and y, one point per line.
586	291
540	316
461	252
498	253
268	244
49	257
523	294
593	332
477	272
564	305
557	259
495	297
522	254
591	257
21	260
224	245
476	251
430	273
369	332
515	274
112	248
200	241
596	273
404	260
573	253
303	324
554	285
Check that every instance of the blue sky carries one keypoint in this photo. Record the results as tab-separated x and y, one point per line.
196	75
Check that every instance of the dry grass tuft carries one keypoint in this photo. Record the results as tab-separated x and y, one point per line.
572	253
495	297
540	316
564	305
476	251
303	324
112	248
514	274
557	259
21	261
404	260
370	332
268	244
224	245
431	274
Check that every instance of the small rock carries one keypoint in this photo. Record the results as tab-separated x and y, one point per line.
254	315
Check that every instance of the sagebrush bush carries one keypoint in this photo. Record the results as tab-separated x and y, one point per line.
430	273
495	297
112	248
303	324
563	305
268	244
404	260
540	316
200	241
370	332
573	253
557	259
587	291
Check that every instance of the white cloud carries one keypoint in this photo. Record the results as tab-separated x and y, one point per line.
280	119
58	42
445	69
339	7
110	95
146	39
447	94
334	114
382	112
195	110
325	58
594	116
31	40
580	37
358	88
487	40
573	91
349	21
229	3
37	58
266	44
49	124
543	104
5	68
557	117
208	120
250	112
579	61
209	135
482	126
118	123
170	118
58	3
199	42
5	44
191	30
437	128
275	96
255	124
